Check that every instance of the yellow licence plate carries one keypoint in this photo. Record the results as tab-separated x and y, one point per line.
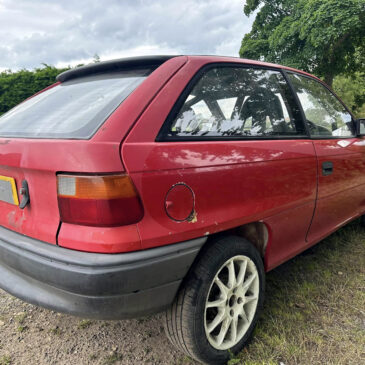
8	191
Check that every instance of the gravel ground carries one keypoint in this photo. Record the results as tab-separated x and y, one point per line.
32	335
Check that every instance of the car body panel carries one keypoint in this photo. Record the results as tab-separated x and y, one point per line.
37	162
99	239
155	167
341	195
233	182
120	122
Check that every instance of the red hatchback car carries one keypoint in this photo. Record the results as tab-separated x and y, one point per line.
173	183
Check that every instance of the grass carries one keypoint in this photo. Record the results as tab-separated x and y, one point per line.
314	311
55	331
5	360
113	358
21	328
85	323
20	317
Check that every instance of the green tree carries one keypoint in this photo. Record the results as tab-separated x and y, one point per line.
96	58
351	89
19	85
324	37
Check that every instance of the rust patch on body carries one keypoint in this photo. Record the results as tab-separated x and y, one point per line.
193	217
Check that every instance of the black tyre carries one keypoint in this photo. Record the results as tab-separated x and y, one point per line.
217	307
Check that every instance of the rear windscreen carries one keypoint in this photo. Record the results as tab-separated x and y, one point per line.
74	109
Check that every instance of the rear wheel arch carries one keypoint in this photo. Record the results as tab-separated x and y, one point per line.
254	233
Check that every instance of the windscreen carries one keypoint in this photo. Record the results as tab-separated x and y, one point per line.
74	109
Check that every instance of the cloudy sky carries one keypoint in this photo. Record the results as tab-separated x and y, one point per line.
69	32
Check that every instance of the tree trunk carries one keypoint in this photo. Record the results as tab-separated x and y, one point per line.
328	79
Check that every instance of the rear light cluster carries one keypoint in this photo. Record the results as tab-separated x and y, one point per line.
103	201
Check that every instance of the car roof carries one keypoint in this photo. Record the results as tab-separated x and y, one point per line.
155	61
246	61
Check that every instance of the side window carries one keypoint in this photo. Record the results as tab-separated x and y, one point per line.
325	114
235	101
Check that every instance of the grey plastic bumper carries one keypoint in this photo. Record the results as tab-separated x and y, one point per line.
103	286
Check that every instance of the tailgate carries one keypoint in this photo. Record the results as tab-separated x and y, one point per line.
40	218
38	162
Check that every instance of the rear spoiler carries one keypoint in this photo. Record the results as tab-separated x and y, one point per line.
113	66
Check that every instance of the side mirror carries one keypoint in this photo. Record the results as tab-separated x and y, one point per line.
360	127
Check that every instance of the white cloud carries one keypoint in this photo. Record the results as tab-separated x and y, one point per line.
71	32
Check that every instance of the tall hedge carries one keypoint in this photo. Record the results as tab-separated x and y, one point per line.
19	85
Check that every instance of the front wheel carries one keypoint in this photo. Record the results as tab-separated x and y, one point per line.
217	307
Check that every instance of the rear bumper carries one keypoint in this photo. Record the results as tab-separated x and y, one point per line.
102	286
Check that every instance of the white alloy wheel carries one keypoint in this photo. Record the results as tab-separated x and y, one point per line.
217	307
231	302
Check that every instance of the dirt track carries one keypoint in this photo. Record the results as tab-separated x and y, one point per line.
31	335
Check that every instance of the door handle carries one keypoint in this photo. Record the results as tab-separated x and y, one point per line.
327	168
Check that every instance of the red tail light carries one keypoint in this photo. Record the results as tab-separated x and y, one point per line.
103	201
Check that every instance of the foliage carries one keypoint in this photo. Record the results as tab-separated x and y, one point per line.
314	306
17	86
96	58
351	89
325	37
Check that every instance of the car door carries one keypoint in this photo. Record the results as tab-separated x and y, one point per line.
232	150
340	157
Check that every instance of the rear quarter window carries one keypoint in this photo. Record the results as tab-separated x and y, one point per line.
235	102
74	109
